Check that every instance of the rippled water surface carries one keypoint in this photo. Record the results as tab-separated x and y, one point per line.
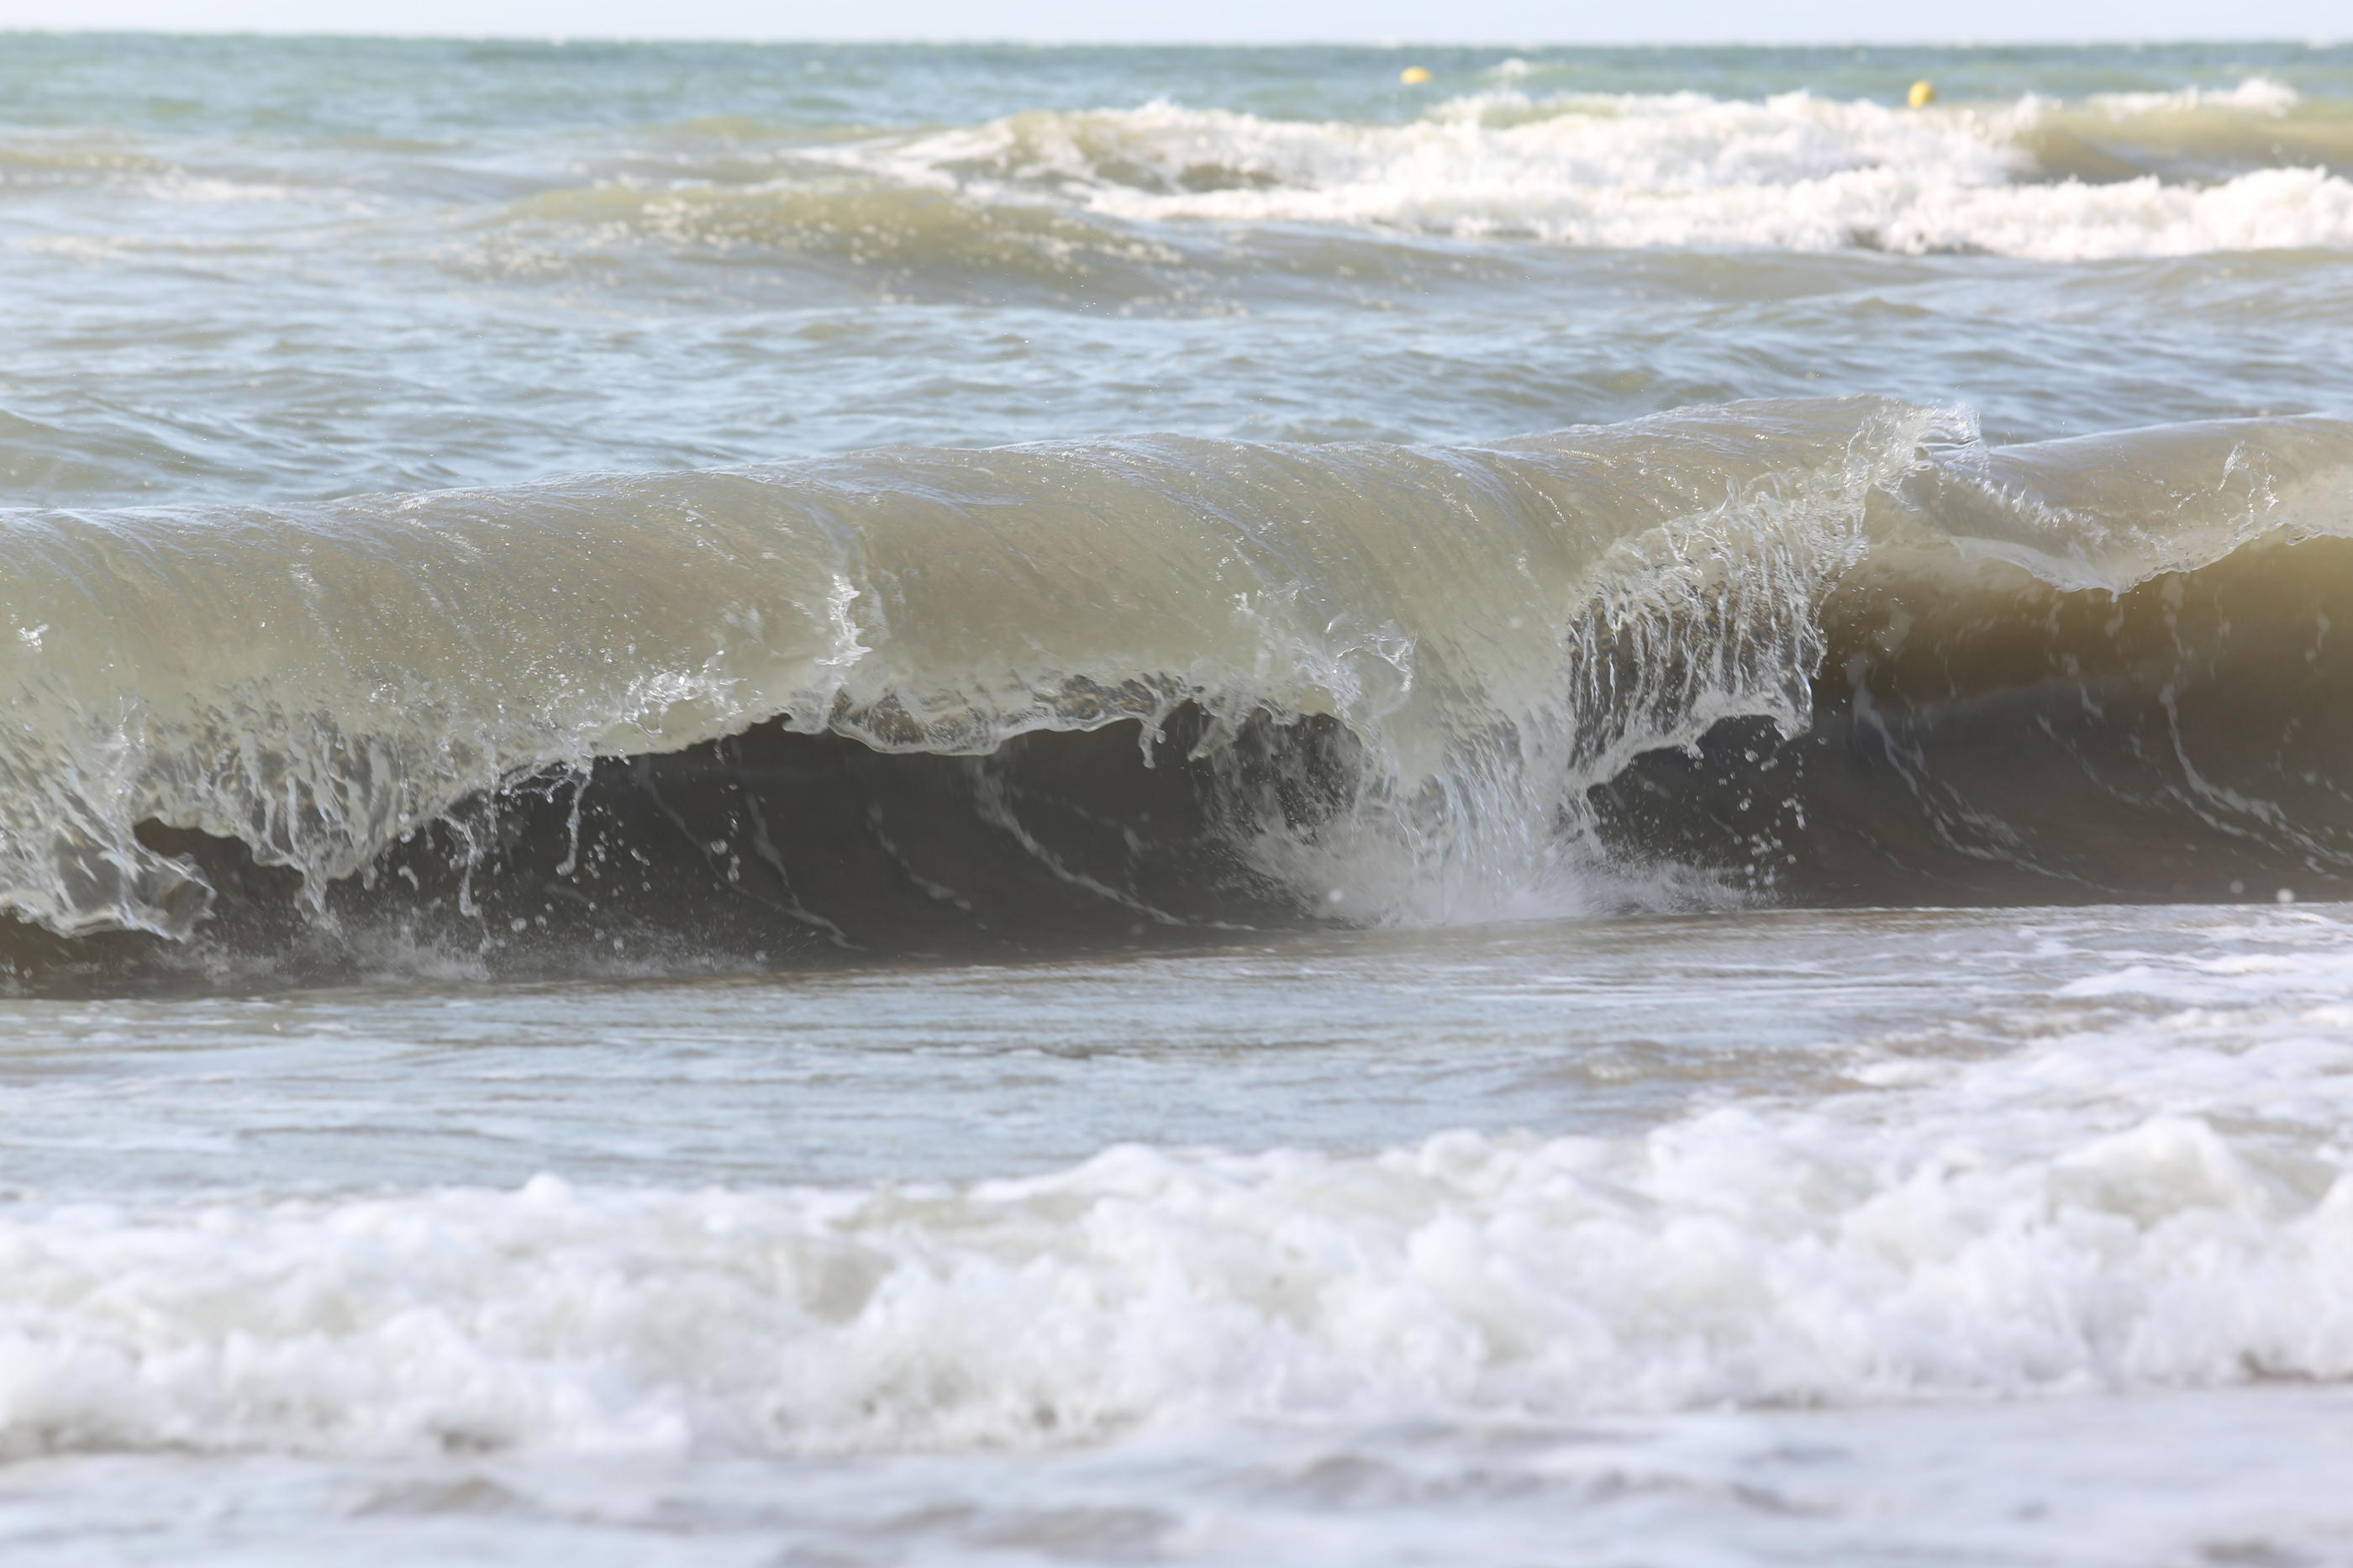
1622	840
237	269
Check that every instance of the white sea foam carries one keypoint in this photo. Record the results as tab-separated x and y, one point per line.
1790	172
2256	95
2147	1191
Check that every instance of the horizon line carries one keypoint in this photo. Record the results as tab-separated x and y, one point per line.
561	40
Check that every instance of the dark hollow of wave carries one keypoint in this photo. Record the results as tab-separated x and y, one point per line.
2184	741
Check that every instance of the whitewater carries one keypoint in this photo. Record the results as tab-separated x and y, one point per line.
856	804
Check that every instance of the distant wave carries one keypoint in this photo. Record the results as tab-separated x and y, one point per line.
1831	650
2141	174
1064	198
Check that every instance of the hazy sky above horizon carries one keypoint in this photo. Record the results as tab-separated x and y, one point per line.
1367	21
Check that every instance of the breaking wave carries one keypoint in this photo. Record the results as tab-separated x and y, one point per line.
1116	196
911	701
1728	1259
2132	1181
2124	176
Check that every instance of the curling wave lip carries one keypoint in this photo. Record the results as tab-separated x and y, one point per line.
1373	683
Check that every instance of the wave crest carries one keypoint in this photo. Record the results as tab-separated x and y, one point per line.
1377	682
2153	175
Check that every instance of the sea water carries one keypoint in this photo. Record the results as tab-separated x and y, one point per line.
893	804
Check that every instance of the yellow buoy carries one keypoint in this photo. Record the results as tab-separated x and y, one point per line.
1414	76
1924	93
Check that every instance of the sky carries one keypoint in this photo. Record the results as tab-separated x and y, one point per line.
1364	21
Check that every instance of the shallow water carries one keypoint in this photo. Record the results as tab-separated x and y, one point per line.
1625	843
1732	1237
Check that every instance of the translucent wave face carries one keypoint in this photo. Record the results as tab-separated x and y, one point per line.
377	662
1364	682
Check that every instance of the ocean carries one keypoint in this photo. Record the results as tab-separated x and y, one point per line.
818	806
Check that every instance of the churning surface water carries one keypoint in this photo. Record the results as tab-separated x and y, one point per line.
842	805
